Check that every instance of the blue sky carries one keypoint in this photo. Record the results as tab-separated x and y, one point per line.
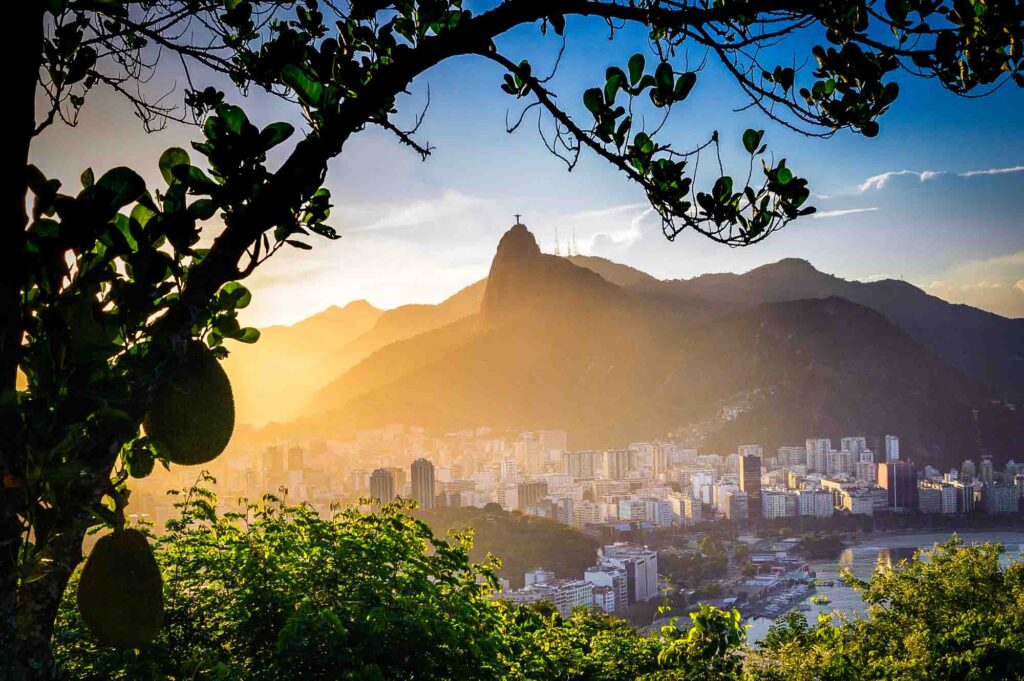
936	198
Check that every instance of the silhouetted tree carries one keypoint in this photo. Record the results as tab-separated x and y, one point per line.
103	289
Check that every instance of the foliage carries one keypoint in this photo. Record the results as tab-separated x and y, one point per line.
521	542
950	613
691	568
820	545
275	592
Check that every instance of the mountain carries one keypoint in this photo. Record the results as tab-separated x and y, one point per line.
556	345
985	346
273	377
620	275
294	362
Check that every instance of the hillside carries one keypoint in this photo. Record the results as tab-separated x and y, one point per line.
557	346
273	377
294	362
985	346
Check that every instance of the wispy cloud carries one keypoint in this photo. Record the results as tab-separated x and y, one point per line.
841	212
879	181
993	171
378	216
994	284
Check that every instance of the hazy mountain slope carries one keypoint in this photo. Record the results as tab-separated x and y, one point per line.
408	321
272	377
276	377
556	346
986	346
620	275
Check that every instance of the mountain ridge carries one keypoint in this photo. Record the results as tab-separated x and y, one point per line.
556	345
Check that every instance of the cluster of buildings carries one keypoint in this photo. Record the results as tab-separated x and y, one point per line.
646	484
624	574
663	484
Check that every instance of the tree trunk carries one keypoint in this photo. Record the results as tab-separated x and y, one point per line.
21	56
39	601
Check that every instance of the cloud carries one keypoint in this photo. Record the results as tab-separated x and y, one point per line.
995	284
993	171
841	212
875	277
879	181
382	216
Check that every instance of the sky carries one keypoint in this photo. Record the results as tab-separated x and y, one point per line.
935	199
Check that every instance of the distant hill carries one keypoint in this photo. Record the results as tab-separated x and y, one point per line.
620	275
272	378
556	345
986	346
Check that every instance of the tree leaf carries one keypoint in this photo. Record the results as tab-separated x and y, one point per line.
275	133
309	91
752	140
170	159
592	100
636	68
125	185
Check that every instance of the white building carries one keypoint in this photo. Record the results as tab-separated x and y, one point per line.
640	565
816	503
892	448
613	578
538	576
778	504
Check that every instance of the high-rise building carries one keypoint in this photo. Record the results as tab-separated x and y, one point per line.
617	463
580	465
750	482
854	445
398	475
1010	472
608	577
735	504
899	480
1000	499
382	485
509	469
273	465
929	500
640	565
892	448
529	493
817	453
296	459
685	507
750	450
661	458
965	496
778	504
423	491
816	503
986	472
585	513
967	471
792	456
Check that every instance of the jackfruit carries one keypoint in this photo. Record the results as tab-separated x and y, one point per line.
120	592
193	412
